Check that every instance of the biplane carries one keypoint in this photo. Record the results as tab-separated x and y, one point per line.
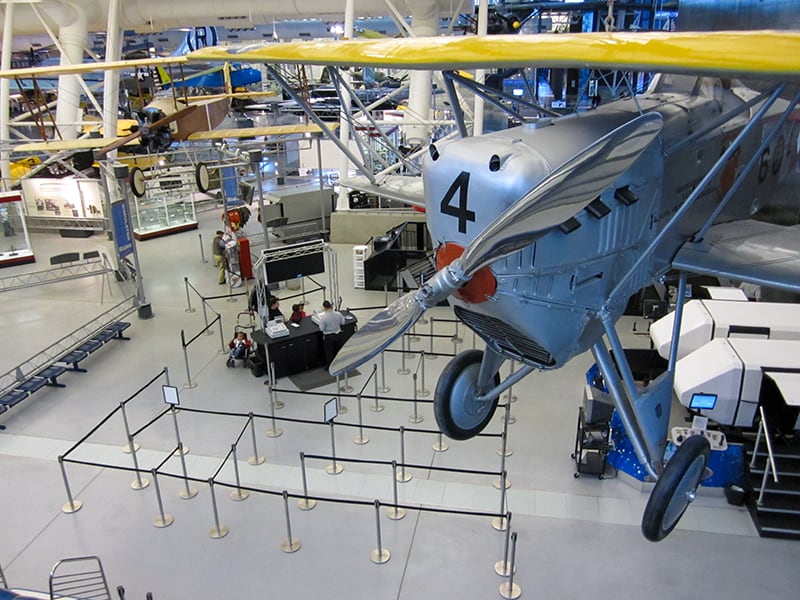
545	230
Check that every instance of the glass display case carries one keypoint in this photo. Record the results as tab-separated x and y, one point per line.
166	206
15	245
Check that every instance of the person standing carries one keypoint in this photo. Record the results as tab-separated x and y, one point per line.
330	324
218	252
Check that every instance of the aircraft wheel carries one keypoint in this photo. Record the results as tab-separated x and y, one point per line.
457	413
676	488
201	177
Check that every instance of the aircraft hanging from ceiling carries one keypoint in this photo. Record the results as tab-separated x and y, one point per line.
544	231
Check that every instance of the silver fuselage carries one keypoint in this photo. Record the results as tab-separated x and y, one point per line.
549	296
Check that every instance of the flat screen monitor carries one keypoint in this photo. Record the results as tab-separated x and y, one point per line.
701	401
296	266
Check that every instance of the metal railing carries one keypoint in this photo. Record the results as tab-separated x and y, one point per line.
769	464
48	355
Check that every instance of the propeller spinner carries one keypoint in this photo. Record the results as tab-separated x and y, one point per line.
565	192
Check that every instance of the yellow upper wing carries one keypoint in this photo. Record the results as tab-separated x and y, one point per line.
762	53
219	134
91	67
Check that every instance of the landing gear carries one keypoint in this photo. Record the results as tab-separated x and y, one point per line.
676	488
459	415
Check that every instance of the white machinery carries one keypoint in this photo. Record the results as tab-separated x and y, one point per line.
723	379
705	320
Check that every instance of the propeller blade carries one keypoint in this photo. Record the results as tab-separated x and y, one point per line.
118	143
564	193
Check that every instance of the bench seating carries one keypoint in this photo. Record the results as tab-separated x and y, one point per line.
49	375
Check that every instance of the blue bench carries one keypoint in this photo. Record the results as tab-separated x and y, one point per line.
73	358
49	375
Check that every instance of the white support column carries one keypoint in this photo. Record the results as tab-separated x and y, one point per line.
5	92
480	74
111	78
73	35
342	202
424	22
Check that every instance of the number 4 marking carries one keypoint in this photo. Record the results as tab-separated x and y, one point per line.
463	215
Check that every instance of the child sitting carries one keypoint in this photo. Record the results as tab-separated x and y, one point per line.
240	347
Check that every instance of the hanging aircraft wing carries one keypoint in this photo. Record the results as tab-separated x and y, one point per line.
394	187
252	132
722	53
61	145
118	65
749	251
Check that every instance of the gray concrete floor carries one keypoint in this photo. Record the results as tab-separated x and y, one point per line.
576	537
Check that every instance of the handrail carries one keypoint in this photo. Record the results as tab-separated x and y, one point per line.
771	462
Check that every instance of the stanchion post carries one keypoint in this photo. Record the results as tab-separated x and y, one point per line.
431	355
275	431
72	505
272	381
189	308
181	449
256	459
422	319
130	446
305	503
474	340
413	337
422	391
415	417
403	476
383	389
395	513
189	384
511	396
360	439
289	545
222	347
140	482
163	519
238	494
334	468
378	407
403	370
218	531
346	388
205	317
456	339
380	555
502	567
188	491
509	589
202	250
340	408
500	523
386	294
440	445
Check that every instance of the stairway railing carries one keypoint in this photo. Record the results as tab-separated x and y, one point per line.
763	430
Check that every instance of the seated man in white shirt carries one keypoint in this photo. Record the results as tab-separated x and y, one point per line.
330	324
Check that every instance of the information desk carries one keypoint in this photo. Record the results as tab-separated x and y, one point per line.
302	349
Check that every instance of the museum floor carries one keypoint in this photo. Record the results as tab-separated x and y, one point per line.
577	537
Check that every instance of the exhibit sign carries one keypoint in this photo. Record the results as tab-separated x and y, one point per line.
60	198
121	220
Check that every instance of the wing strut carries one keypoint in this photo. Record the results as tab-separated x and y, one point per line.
687	204
748	167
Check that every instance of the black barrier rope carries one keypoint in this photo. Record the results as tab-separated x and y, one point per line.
350	501
113	412
346	395
207	411
409	351
368	461
151	421
360	308
186	344
145	386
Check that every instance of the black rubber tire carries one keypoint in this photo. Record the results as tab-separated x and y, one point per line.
201	177
464	365
683	473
